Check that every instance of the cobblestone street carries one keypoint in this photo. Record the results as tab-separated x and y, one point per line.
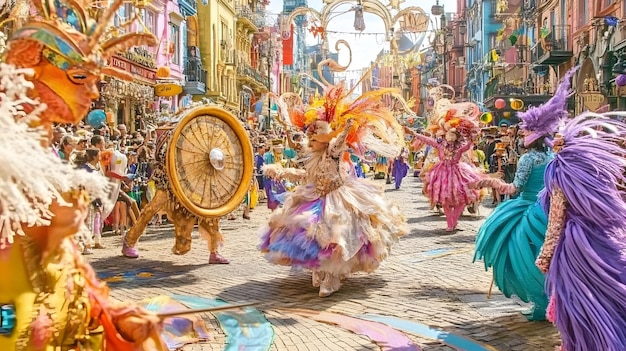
429	279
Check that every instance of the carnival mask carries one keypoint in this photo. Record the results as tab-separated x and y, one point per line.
68	94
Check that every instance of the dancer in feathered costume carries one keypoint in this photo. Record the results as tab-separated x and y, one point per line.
510	239
335	223
449	179
583	253
51	299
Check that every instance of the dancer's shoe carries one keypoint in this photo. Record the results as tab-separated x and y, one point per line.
216	258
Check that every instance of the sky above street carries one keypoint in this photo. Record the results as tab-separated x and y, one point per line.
370	42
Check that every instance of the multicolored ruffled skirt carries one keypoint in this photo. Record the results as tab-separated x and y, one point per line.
350	229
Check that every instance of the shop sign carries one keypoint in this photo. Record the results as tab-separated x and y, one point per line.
167	89
133	68
593	101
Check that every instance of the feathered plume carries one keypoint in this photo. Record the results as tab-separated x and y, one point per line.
32	177
545	118
590	168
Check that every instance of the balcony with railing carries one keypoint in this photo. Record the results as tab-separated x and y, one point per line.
554	48
528	92
187	7
250	75
250	17
195	78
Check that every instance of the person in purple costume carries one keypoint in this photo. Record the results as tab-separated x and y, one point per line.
583	253
400	167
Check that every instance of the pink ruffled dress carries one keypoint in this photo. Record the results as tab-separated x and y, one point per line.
447	183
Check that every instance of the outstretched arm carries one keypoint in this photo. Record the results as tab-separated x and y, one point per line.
287	131
419	138
278	172
556	224
524	168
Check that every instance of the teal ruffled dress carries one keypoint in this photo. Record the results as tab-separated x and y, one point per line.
511	238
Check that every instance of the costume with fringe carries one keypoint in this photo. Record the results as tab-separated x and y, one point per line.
510	239
447	182
585	241
335	223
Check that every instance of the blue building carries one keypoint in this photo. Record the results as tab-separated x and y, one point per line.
498	59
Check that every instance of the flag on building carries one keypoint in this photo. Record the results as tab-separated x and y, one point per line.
288	47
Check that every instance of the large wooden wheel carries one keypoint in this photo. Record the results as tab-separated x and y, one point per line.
209	161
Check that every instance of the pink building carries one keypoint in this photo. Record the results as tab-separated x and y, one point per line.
130	102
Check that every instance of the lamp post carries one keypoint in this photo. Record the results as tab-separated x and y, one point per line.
268	58
437	10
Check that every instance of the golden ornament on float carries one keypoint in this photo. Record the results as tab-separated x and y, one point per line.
486	117
163	72
517	104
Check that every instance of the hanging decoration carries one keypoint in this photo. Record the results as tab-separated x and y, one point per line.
486	117
317	30
500	104
620	81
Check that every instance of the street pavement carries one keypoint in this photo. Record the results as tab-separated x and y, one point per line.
429	279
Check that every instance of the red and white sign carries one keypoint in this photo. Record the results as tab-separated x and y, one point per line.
133	68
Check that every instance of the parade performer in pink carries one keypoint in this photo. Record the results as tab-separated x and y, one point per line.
335	223
583	253
449	179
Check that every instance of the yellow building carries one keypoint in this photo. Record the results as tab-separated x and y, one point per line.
251	83
216	22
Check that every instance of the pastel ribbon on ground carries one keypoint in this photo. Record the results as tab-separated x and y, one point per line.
177	331
246	329
388	339
452	340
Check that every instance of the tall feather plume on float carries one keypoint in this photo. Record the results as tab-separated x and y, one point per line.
546	118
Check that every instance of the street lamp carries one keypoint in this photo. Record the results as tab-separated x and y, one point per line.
445	33
437	9
268	57
462	27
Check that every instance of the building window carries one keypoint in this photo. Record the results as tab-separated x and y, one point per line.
582	13
123	14
175	43
150	21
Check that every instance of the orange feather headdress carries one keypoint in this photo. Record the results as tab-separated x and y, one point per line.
374	127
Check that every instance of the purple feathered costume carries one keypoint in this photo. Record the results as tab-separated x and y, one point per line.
585	242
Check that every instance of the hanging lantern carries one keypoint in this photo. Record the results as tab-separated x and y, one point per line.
620	81
163	72
506	114
486	117
500	104
517	104
110	116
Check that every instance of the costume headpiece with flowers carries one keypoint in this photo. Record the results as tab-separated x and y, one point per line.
545	119
446	116
374	125
72	36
